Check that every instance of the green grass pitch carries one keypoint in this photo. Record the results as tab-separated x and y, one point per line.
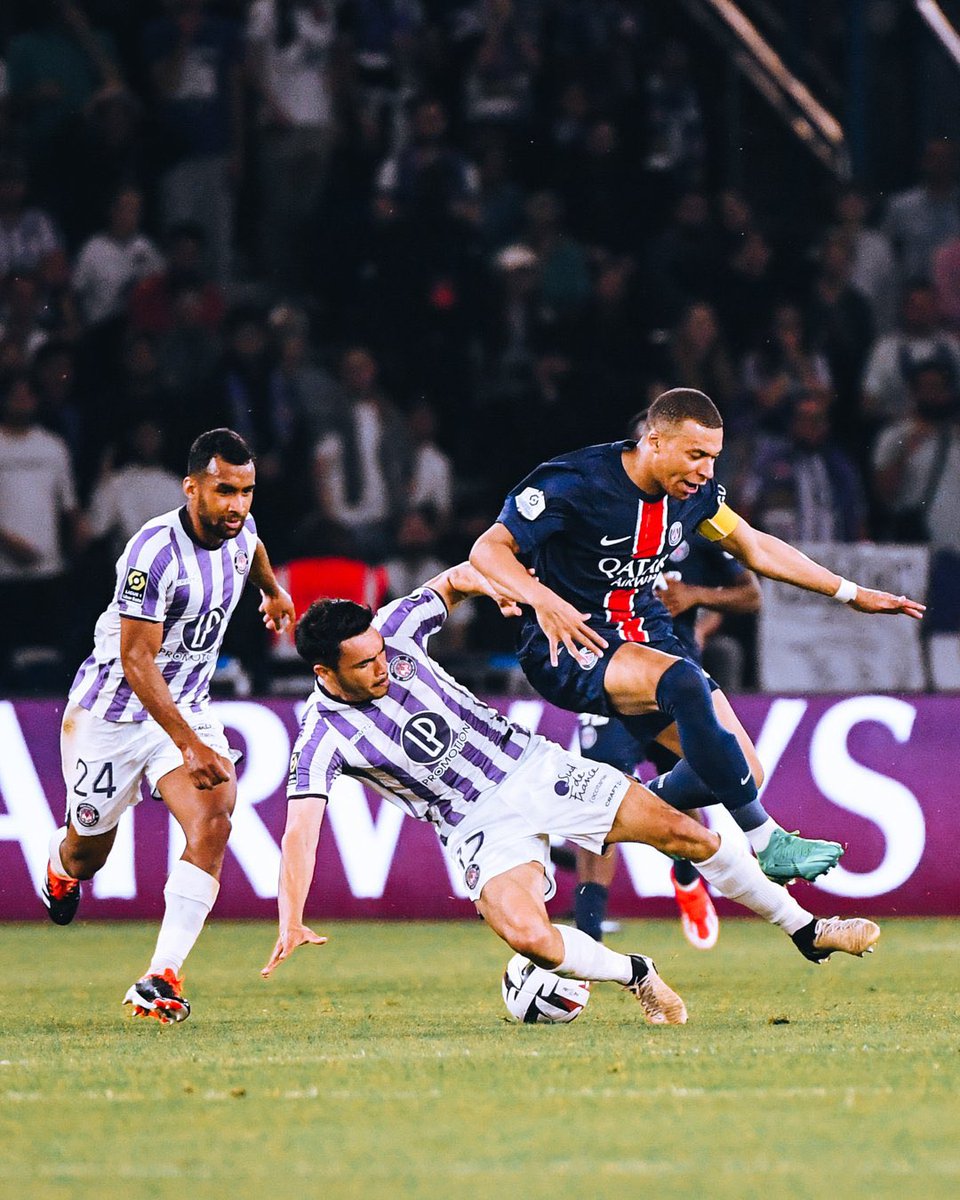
382	1065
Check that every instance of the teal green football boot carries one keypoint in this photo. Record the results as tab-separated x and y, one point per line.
787	857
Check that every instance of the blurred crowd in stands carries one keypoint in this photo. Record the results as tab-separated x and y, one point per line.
410	249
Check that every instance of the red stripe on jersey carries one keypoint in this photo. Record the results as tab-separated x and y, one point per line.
619	612
651	528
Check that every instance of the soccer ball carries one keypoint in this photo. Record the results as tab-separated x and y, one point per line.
534	995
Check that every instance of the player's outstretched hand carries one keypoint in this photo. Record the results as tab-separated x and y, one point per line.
565	626
278	611
869	601
287	942
206	768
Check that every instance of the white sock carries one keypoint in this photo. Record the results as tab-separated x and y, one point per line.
759	838
189	894
55	843
583	958
737	875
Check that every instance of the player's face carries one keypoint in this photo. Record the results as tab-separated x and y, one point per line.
684	456
361	673
219	499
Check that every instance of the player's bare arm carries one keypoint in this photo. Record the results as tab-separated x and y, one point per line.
298	862
776	559
743	597
275	604
140	643
459	583
495	555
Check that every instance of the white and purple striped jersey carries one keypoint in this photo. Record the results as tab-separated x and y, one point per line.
163	575
429	745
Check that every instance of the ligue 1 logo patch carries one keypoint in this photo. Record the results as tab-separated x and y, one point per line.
401	668
86	815
241	562
134	586
675	536
471	875
588	660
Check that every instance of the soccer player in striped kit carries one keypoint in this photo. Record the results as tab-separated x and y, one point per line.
139	705
597	526
384	712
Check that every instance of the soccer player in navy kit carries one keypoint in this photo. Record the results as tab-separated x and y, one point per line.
597	526
700	573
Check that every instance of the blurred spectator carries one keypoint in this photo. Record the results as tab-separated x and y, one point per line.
37	497
601	194
431	478
195	60
291	44
362	469
53	376
921	218
563	282
614	354
26	234
916	463
514	325
186	357
784	366
498	87
500	197
96	159
945	277
111	262
20	313
919	340
803	487
382	39
134	488
684	258
59	313
676	147
840	323
429	179
873	269
54	69
153	298
746	289
699	359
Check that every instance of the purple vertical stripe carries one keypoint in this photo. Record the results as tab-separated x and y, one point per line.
226	565
89	698
151	595
119	702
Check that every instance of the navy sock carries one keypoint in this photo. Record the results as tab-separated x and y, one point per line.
684	872
712	753
590	908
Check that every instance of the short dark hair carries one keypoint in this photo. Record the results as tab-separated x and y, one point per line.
684	404
222	443
326	624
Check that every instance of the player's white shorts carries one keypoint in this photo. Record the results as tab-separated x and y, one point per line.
551	791
104	761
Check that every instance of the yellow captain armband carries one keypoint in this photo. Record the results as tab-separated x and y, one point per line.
723	522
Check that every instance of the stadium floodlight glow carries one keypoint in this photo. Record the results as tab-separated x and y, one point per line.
937	19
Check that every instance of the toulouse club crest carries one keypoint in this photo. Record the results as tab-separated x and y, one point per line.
401	668
86	815
241	562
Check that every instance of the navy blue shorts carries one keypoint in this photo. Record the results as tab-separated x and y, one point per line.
580	689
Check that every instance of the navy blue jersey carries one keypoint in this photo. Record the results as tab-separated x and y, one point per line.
597	540
701	564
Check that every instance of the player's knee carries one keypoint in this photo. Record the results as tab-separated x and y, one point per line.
209	834
681	686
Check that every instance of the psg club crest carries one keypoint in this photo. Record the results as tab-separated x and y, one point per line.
401	668
675	536
86	815
471	875
241	562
